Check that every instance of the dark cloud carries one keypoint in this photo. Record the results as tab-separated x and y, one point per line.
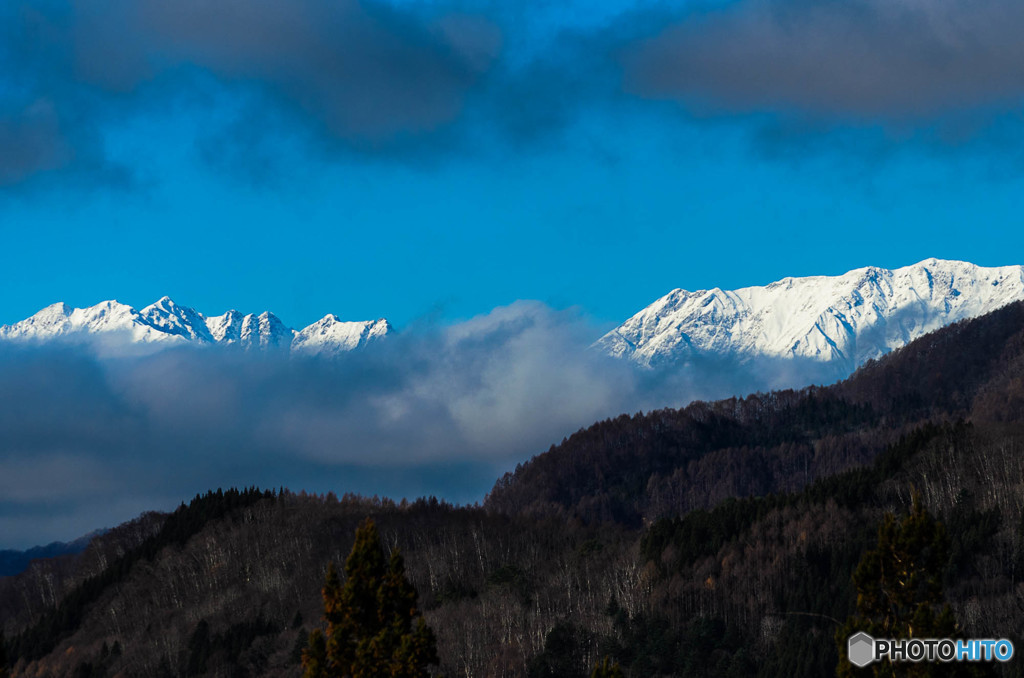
47	123
269	81
31	141
362	75
908	60
365	72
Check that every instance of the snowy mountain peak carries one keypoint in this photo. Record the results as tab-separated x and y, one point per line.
54	320
225	329
168	322
265	331
331	335
167	316
845	319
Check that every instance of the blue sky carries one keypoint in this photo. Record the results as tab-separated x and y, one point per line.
508	154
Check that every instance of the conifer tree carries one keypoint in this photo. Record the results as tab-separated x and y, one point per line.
899	592
606	669
373	625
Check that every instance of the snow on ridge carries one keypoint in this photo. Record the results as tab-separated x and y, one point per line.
168	317
845	319
226	328
60	320
839	320
331	335
265	331
165	322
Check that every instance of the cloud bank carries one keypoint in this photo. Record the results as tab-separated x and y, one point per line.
394	79
87	442
364	75
862	59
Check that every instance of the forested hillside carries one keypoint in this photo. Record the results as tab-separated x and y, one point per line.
652	465
715	540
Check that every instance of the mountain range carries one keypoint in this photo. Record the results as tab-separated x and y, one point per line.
165	323
841	320
829	324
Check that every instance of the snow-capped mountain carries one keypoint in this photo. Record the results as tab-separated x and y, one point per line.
264	331
330	335
842	320
60	320
165	322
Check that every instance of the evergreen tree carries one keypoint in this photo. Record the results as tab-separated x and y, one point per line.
373	625
564	653
899	592
606	669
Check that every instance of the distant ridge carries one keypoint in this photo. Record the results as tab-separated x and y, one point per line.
15	562
842	320
834	322
167	323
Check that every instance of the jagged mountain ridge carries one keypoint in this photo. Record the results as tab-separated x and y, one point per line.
166	322
838	322
843	320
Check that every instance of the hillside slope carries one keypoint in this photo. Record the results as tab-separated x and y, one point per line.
641	467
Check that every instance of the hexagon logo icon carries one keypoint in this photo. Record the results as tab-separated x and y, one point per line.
860	649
